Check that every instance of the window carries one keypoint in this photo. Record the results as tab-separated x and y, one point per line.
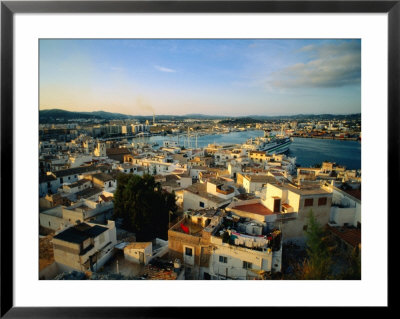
188	251
223	259
201	204
322	201
305	227
246	265
308	202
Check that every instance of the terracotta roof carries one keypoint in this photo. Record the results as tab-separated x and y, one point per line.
77	183
260	178
117	151
75	170
106	199
256	208
103	177
276	174
354	192
350	235
46	178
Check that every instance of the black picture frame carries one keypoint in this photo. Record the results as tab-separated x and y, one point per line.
9	8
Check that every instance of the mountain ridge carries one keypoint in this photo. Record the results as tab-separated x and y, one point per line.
56	113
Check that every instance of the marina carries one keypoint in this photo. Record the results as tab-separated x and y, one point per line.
308	151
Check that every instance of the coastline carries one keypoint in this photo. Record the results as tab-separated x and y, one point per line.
330	138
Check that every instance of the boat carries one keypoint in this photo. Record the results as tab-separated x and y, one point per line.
271	143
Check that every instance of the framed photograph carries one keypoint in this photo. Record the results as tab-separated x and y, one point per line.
221	144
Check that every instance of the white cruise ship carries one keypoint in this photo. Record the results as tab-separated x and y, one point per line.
270	143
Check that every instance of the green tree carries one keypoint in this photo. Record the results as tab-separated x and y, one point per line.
318	263
353	272
143	206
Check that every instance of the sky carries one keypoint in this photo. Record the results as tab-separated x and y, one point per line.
236	77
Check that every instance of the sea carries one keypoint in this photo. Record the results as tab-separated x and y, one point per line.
308	151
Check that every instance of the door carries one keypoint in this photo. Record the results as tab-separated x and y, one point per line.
277	205
188	255
141	257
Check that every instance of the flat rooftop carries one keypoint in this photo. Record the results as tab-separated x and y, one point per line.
138	245
307	189
200	189
79	233
192	228
255	208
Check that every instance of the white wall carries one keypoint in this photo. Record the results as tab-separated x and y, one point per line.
235	257
133	254
349	216
192	201
53	222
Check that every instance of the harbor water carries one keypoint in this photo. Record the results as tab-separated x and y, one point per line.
308	151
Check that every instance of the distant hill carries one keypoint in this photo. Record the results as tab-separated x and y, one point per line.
241	121
49	116
53	115
58	115
107	115
303	117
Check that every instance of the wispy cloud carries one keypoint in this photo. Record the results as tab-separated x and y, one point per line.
327	66
164	69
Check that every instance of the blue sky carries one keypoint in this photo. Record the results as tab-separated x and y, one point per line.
219	77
